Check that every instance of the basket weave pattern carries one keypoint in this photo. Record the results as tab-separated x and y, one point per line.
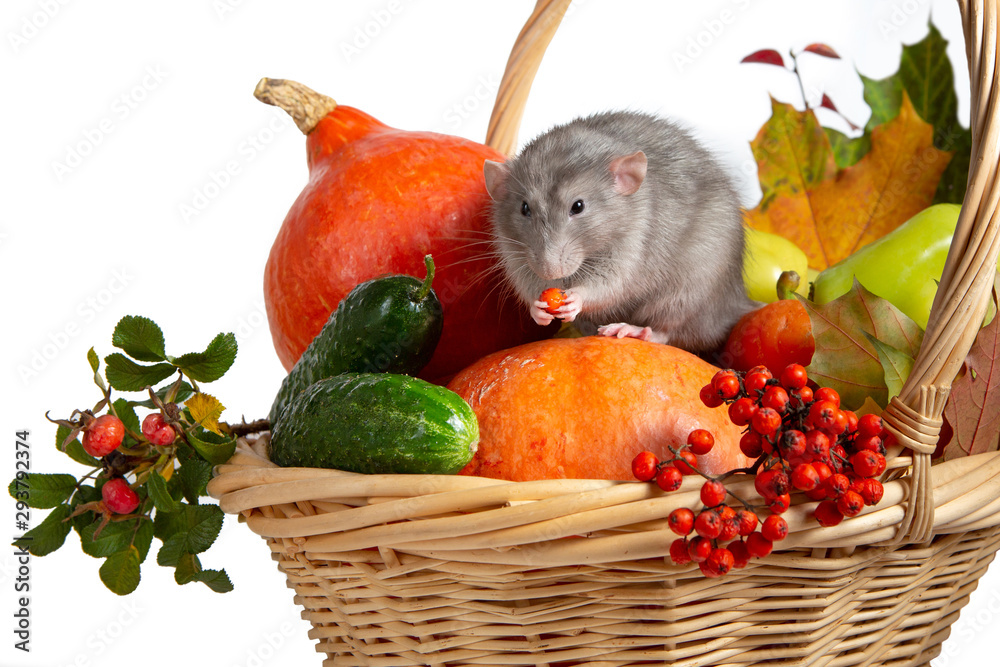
418	569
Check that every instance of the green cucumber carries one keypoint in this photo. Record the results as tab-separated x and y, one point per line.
385	325
376	423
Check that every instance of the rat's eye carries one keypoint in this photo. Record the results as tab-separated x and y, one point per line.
525	209
576	208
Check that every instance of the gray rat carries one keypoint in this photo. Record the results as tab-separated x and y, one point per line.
631	216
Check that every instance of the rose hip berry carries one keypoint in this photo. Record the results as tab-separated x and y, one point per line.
850	503
741	556
827	514
774	528
119	497
766	421
686	462
775	398
699	548
758	545
805	477
708	525
700	441
681	521
103	435
751	444
679	551
669	478
709	397
746	521
794	377
827	394
553	298
157	430
869	426
719	562
713	493
741	411
644	466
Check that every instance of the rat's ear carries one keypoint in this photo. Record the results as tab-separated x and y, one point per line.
629	172
495	174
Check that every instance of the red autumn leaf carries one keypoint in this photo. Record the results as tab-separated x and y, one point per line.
765	56
822	50
827	103
973	410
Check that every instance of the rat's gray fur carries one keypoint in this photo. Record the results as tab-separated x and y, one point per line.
669	256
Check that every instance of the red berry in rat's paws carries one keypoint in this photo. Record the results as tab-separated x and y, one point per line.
157	431
553	298
103	435
119	497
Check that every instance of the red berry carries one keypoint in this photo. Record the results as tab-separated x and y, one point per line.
741	411
553	298
852	421
762	369
681	521
823	470
699	548
644	466
755	382
718	563
871	443
119	497
669	478
729	530
872	491
708	524
746	521
866	463
803	396
103	435
781	504
771	483
819	493
741	556
751	444
701	441
713	493
766	421
709	397
805	477
792	443
758	545
827	514
727	387
679	551
726	512
817	445
774	528
794	377
850	503
837	485
828	394
776	398
869	426
157	431
687	462
823	414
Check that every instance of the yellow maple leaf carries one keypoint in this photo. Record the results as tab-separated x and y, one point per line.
205	409
830	215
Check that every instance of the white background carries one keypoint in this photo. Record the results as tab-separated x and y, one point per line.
155	100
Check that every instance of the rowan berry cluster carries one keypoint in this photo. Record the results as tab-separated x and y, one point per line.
801	440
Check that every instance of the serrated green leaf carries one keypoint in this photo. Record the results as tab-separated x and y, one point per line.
95	361
188	566
143	539
194	475
127	414
162	500
42	491
116	536
185	391
210	448
125	375
217	580
197	525
848	150
121	572
211	364
172	550
896	364
49	535
140	338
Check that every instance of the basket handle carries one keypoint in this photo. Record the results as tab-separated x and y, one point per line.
915	416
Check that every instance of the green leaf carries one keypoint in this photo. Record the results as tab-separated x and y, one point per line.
896	364
213	449
185	391
95	361
120	572
127	414
211	364
115	537
143	538
42	491
172	550
162	500
846	150
49	535
217	580
140	337
125	375
199	526
188	566
194	475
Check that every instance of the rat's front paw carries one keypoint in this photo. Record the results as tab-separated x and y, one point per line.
541	316
624	330
571	306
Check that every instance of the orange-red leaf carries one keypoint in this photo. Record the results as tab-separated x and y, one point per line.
765	56
831	214
824	50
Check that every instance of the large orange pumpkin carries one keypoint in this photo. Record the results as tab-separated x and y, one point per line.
379	199
584	407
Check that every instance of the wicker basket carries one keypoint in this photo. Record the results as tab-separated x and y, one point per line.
410	569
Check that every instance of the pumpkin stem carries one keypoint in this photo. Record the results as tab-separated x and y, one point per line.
302	103
425	288
788	282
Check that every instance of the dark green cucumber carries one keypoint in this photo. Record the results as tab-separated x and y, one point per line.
376	423
385	325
